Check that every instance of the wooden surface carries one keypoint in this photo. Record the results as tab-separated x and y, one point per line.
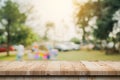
59	78
59	68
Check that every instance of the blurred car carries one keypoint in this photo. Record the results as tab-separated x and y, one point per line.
62	47
67	46
4	49
72	46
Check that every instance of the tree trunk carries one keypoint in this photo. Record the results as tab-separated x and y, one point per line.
84	33
119	47
8	38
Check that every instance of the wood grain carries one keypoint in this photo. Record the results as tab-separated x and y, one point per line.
66	68
97	68
38	68
53	68
59	68
80	69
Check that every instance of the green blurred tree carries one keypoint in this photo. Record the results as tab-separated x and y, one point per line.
23	34
2	36
83	15
105	22
75	40
103	10
11	14
13	22
118	40
105	13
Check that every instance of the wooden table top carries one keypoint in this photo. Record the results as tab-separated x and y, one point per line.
59	68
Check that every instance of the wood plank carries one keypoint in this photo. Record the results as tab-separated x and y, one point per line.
8	70
96	68
79	68
59	68
53	68
14	68
17	68
32	69
26	68
38	68
66	68
113	64
4	69
3	64
107	68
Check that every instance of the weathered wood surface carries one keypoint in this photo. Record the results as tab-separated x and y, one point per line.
82	68
59	78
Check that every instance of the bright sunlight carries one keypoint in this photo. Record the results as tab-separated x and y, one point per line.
55	9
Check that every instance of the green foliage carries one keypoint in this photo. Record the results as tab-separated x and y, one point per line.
11	13
23	35
75	40
118	36
84	15
104	28
112	3
2	39
104	10
17	31
105	15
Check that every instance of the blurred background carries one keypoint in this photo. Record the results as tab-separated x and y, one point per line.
77	29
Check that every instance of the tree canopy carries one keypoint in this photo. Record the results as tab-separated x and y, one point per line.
104	10
13	24
84	14
104	22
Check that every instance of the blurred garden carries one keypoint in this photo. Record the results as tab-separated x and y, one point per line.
96	25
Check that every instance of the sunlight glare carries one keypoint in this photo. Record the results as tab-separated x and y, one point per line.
55	9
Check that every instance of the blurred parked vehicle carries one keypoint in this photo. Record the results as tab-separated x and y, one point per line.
4	48
62	47
72	46
67	46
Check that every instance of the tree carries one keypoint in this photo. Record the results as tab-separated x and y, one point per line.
104	10
75	40
118	39
2	36
104	21
12	15
14	24
84	15
25	35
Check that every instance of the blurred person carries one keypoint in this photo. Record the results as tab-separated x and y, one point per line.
20	52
